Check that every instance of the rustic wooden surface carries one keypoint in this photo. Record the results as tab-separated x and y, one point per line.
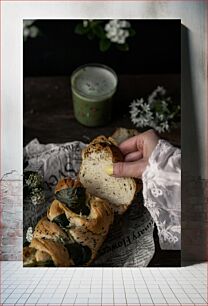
48	116
48	109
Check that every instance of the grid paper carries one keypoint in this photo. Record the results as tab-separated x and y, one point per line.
103	286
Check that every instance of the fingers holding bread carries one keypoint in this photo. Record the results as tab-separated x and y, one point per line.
98	156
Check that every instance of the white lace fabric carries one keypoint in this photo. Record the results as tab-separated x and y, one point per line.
162	193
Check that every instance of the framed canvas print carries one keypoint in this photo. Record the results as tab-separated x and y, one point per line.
102	145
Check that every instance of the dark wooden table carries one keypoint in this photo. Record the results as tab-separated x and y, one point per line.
48	116
48	110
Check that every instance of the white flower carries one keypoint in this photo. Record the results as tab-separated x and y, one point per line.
112	32
140	122
149	116
85	23
165	126
124	24
29	234
121	40
116	32
34	31
159	91
141	114
26	32
113	38
146	107
120	32
155	112
137	102
114	23
164	104
122	35
159	116
29	30
27	23
108	27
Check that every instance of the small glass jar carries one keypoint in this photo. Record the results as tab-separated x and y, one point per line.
93	87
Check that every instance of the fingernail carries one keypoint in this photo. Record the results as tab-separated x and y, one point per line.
109	170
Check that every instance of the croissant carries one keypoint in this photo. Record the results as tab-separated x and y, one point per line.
74	229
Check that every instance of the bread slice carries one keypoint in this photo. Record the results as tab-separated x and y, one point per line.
122	134
96	157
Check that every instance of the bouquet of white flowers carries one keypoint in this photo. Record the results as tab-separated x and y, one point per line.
108	32
158	112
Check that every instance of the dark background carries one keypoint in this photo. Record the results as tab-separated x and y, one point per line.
155	49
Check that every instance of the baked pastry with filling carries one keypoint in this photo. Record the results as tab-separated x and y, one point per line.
73	230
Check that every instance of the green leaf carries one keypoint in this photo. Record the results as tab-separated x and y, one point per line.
158	107
98	21
90	35
123	47
99	32
132	32
80	29
104	44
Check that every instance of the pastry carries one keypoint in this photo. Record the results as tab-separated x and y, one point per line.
73	230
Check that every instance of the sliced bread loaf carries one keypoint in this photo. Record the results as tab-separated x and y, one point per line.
96	157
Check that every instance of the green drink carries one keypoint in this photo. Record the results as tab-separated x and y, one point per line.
93	86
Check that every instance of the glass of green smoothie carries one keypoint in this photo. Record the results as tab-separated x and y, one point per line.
93	87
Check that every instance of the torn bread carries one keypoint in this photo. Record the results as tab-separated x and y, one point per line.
96	157
122	134
74	229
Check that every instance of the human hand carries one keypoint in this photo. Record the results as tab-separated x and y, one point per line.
136	151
